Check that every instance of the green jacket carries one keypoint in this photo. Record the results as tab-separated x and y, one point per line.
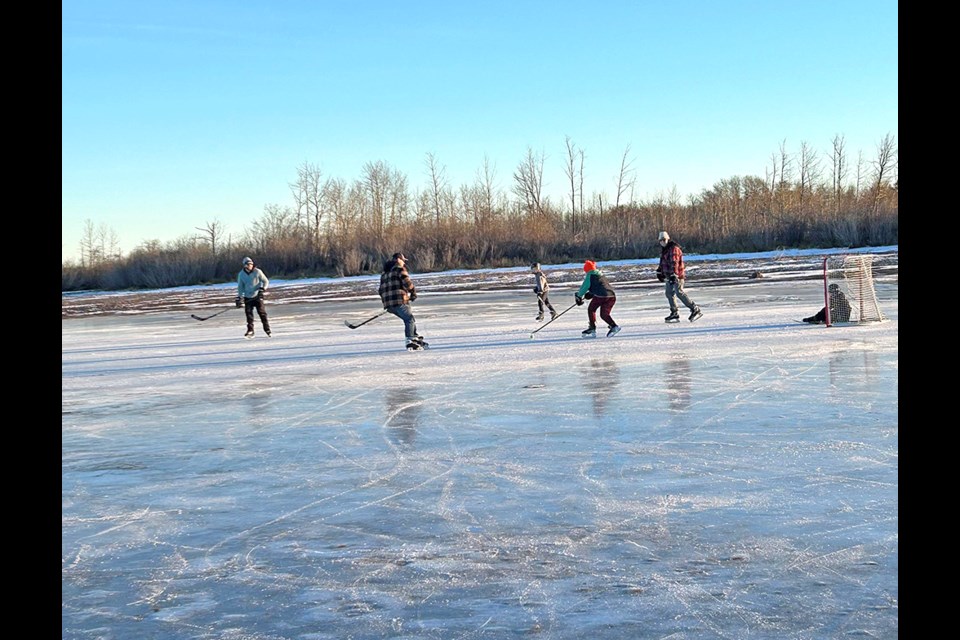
248	284
597	284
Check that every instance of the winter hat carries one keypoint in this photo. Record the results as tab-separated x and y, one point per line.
247	261
399	256
535	266
589	266
834	287
663	236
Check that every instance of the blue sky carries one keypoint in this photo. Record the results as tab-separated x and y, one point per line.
179	113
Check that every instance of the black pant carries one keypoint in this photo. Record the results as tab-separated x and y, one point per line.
249	304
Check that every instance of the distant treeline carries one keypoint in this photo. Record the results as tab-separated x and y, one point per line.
336	228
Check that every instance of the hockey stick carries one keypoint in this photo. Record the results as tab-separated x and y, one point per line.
360	324
552	319
195	317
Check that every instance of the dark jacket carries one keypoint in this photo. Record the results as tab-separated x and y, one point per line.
596	284
839	307
671	260
396	287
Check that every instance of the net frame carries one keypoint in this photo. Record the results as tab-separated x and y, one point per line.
853	273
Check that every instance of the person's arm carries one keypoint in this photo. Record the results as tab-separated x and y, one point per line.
584	287
264	280
407	284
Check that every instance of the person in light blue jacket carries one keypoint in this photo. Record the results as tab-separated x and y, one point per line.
251	285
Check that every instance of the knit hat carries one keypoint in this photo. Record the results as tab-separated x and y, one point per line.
589	266
663	236
400	256
834	287
247	261
535	266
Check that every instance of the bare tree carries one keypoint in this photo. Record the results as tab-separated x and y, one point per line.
883	166
375	182
437	176
838	171
782	189
809	165
98	244
625	179
528	182
212	233
570	169
308	198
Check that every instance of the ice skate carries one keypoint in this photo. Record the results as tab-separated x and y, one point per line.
614	330
673	317
553	314
696	313
539	317
248	334
589	332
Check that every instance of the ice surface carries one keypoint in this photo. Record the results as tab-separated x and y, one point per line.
734	477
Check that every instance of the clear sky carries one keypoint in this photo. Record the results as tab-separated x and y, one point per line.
178	113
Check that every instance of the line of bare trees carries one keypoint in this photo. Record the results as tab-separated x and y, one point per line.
335	227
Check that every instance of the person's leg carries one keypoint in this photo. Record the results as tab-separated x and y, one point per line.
670	291
546	301
409	322
592	311
262	312
540	303
248	311
605	307
684	298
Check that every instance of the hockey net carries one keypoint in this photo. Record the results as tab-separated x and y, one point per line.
853	275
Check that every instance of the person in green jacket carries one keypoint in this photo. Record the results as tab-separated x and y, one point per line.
251	284
596	288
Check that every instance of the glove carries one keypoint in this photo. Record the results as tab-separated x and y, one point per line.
673	278
588	296
579	300
238	301
413	296
536	291
260	293
660	276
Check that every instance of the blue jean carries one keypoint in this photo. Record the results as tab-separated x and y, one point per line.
404	312
674	291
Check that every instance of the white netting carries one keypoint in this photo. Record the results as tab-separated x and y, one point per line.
853	274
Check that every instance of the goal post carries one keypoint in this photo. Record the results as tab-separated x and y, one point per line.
849	294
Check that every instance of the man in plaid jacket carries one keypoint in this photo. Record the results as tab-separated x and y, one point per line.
396	293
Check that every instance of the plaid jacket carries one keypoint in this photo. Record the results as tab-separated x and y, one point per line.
396	287
671	260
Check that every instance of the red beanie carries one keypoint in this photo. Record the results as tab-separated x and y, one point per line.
589	266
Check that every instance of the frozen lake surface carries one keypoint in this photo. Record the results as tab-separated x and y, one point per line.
736	477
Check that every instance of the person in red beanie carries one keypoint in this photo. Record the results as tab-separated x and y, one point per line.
596	288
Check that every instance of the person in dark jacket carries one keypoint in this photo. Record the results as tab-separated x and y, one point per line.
596	288
396	293
671	272
251	285
839	308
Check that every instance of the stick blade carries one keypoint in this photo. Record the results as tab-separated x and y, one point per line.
196	317
346	323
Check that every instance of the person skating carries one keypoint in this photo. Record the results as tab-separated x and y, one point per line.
396	293
541	288
596	288
251	285
671	272
839	308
